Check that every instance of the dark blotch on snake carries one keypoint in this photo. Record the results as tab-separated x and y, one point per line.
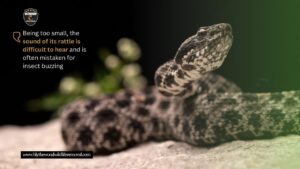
211	97
255	121
290	102
73	117
164	104
166	93
189	105
221	134
113	135
106	115
174	67
220	90
123	103
180	74
85	135
136	126
276	115
149	100
143	111
200	122
232	117
169	80
188	67
204	87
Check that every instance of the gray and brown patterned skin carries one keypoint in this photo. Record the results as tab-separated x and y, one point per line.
189	104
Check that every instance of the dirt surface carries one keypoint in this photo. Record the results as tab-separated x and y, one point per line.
279	153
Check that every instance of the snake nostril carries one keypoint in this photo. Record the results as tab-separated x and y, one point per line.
201	33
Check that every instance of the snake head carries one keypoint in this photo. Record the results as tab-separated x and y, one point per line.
206	50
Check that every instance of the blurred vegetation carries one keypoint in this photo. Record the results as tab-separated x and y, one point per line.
121	70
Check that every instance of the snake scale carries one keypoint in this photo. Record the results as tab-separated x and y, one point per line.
189	103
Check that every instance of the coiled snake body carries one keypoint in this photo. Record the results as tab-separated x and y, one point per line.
189	104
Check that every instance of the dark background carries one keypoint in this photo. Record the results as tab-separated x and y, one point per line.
265	54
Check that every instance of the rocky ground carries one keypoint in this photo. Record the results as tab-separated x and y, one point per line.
279	153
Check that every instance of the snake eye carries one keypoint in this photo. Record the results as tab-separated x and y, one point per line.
202	33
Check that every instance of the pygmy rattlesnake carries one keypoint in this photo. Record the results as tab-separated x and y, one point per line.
189	104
